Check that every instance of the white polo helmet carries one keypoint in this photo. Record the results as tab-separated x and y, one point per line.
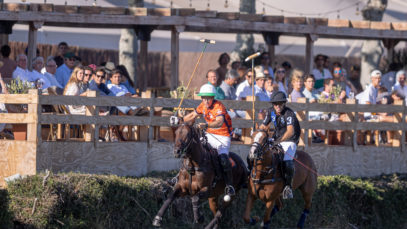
207	90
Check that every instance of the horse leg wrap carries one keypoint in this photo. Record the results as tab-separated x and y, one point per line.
274	211
198	218
266	225
302	218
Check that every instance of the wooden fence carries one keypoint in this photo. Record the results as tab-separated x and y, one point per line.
147	154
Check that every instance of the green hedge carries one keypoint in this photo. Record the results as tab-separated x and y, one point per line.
98	201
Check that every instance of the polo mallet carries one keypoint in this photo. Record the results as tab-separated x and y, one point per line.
206	42
252	57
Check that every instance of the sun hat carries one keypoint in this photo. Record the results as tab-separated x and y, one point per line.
207	90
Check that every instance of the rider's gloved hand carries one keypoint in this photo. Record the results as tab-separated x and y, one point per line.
174	120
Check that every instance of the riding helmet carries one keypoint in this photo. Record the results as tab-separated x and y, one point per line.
278	96
207	90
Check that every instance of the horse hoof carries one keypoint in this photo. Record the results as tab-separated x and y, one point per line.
157	221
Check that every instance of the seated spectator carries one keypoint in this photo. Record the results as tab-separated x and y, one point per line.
400	84
369	95
64	72
126	79
49	74
354	78
236	65
309	91
8	65
21	71
268	87
259	91
297	83
245	88
223	61
73	89
242	71
62	50
42	81
96	84
228	85
326	94
389	79
340	80
84	85
212	78
280	80
265	62
320	72
118	89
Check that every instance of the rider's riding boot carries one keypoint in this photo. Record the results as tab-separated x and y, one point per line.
249	163
227	170
289	175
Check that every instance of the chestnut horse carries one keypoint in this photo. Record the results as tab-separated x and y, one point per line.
199	175
266	180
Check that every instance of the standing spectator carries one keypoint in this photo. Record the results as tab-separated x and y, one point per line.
280	80
50	69
228	85
42	81
265	62
223	61
236	65
62	50
268	87
354	78
21	71
309	91
212	78
73	88
287	67
297	83
245	88
64	72
400	84
389	79
8	65
320	72
96	84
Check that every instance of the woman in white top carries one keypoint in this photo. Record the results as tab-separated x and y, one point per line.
73	88
280	79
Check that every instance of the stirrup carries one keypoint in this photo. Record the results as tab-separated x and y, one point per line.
229	190
287	192
173	181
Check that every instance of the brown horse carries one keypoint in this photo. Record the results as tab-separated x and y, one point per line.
199	175
266	180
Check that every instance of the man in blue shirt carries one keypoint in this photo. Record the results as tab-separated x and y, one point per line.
96	84
64	71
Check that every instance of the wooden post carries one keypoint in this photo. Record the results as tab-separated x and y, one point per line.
34	109
272	54
354	118
303	116
246	138
91	112
398	118
32	42
3	39
309	52
175	31
144	63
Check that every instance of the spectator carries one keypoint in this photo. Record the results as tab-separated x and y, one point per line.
320	72
50	69
236	65
389	79
119	89
73	88
369	95
354	78
42	81
96	84
245	88
84	85
223	61
2	105
212	78
8	65
265	62
22	71
126	79
241	71
268	87
400	84
287	67
280	80
340	80
297	86
64	72
309	91
228	85
62	50
259	86
326	94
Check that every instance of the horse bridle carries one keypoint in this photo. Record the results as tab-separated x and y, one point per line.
187	143
258	153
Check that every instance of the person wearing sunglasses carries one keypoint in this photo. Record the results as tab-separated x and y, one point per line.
320	72
96	84
287	133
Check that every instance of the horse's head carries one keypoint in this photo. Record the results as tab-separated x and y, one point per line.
259	141
183	139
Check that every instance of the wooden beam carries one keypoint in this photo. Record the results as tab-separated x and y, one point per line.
175	55
309	52
143	60
32	42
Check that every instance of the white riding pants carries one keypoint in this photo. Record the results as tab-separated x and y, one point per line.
219	142
289	150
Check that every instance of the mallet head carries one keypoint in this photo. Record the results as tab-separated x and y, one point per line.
208	41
